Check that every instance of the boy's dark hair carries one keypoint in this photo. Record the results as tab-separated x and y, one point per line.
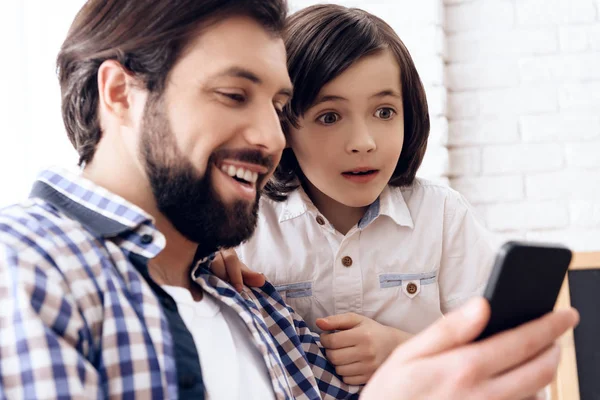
322	41
146	38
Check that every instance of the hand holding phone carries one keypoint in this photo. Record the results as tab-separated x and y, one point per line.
524	283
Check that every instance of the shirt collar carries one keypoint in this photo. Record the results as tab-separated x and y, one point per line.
101	212
296	205
390	203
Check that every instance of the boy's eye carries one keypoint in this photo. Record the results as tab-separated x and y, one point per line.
385	113
329	118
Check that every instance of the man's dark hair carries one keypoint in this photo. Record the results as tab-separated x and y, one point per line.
146	38
322	41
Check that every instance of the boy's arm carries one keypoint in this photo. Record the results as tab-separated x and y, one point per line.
468	250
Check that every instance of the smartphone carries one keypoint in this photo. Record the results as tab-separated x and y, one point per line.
524	283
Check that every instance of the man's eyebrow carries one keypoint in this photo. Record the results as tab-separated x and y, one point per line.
239	72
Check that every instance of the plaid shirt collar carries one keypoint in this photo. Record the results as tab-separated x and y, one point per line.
103	213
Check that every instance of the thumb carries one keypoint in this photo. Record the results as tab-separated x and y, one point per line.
339	322
456	329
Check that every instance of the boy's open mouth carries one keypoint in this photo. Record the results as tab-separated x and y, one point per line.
360	172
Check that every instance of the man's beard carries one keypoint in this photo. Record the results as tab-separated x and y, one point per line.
187	199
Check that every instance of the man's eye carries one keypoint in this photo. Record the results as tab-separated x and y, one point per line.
329	118
385	113
237	97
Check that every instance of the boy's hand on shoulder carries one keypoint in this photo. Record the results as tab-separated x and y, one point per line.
359	346
230	268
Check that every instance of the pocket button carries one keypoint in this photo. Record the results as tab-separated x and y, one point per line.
411	288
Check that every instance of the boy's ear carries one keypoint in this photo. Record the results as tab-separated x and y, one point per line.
115	87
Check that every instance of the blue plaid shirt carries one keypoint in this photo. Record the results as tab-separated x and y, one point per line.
79	317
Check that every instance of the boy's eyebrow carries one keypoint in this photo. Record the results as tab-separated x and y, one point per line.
323	99
387	92
383	93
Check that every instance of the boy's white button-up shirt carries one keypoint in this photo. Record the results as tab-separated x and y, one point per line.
418	252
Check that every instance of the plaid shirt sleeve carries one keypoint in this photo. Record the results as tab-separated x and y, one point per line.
42	333
300	350
330	383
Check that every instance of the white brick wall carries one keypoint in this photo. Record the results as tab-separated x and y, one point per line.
523	80
513	88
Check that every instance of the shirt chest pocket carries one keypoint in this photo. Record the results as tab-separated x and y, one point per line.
295	290
407	301
301	298
411	285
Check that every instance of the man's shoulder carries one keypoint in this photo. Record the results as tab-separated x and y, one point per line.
276	313
34	227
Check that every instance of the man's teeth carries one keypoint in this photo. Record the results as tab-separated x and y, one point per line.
240	173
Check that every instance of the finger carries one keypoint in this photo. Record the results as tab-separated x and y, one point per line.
233	266
356	380
217	266
514	347
253	278
340	340
528	379
339	322
354	369
456	329
345	356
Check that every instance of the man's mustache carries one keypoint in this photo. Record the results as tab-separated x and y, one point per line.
243	155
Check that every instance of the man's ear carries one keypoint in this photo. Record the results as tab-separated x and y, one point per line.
115	86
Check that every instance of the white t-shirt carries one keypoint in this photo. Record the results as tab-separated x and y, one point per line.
232	368
418	252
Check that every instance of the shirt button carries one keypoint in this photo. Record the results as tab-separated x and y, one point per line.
346	261
320	220
411	288
187	381
146	239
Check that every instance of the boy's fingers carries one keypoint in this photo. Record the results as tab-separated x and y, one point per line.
234	267
339	340
340	357
253	278
339	322
217	266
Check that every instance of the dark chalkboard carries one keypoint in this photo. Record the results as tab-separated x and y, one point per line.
584	289
578	376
